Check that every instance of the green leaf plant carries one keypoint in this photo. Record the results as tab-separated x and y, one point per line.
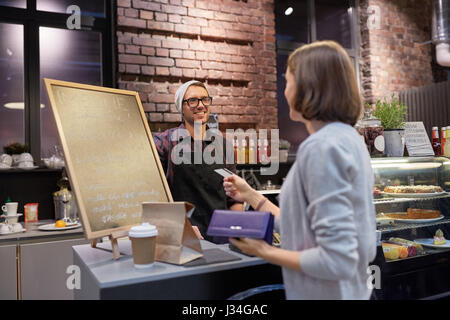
15	148
391	114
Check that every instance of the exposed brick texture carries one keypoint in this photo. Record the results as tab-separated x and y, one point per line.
392	58
228	44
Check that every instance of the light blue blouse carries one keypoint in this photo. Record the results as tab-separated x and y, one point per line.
327	213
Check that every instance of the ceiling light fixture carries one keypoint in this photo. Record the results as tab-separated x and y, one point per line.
18	105
289	11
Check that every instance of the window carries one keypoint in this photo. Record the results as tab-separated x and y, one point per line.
14	3
69	56
35	43
89	8
333	21
11	84
298	22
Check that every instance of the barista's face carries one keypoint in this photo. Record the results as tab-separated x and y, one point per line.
291	96
199	113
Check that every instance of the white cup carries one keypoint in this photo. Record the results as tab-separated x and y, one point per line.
25	157
6	159
4	229
26	164
10	208
16	227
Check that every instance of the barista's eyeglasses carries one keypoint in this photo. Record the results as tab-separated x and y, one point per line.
193	102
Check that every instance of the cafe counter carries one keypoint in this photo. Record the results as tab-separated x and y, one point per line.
102	277
34	263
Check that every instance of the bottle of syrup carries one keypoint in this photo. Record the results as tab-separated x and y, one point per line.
435	142
443	139
251	152
244	151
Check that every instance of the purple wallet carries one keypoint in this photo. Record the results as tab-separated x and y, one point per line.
241	224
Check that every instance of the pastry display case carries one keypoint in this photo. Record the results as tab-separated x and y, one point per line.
412	203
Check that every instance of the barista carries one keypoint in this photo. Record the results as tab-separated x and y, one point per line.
190	181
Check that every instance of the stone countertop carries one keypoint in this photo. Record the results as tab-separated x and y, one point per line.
33	234
112	273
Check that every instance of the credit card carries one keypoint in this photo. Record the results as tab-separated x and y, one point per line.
224	172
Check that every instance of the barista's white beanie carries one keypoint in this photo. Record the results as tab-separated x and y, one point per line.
179	95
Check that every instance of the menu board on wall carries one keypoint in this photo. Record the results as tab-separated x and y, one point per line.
110	155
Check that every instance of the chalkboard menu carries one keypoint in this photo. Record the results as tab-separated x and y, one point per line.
110	155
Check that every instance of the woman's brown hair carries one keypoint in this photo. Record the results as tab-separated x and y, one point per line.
327	89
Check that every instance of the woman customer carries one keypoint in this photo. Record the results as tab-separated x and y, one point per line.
326	217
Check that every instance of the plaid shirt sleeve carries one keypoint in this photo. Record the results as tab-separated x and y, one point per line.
162	146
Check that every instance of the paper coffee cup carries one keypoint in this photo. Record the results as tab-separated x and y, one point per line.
143	244
10	208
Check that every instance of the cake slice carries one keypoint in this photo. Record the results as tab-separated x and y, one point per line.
423	214
438	238
397	215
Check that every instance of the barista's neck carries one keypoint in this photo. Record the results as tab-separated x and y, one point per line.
196	130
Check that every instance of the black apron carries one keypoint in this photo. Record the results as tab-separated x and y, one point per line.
201	186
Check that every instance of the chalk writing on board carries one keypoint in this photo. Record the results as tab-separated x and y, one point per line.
97	198
149	193
103	208
128	195
113	197
127	205
114	217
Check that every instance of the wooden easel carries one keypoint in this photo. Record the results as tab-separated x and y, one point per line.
114	244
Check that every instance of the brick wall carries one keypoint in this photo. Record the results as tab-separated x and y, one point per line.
392	58
229	44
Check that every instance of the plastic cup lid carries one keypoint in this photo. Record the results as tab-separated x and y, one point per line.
142	231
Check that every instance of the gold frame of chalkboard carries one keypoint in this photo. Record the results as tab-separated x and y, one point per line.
122	230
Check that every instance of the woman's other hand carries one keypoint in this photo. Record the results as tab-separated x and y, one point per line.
254	247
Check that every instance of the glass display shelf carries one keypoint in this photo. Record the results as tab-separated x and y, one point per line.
399	226
400	200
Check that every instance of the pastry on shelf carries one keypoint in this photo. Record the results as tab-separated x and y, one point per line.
412	213
414	248
397	215
422	214
393	251
438	238
413	189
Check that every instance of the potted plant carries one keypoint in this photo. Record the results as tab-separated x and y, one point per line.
392	116
15	149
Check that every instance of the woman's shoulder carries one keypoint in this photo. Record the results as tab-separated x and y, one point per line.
333	139
332	133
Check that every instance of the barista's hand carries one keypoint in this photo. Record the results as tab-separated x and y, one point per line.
197	233
237	188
